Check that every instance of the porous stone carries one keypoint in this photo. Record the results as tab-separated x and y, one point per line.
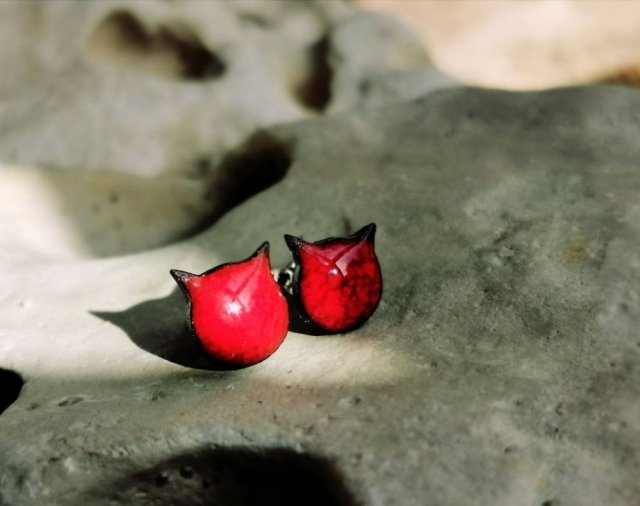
148	87
99	97
502	366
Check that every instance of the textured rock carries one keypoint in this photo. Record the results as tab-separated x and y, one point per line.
502	366
512	44
147	87
95	90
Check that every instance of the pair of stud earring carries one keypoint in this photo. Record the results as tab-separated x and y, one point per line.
239	313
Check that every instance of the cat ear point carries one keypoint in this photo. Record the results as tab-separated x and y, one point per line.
262	250
367	232
181	277
293	243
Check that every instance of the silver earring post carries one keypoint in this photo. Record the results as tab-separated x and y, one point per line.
284	277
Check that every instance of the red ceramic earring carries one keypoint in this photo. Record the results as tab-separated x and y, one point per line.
337	281
236	310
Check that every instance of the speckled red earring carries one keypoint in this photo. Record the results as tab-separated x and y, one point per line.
236	310
337	281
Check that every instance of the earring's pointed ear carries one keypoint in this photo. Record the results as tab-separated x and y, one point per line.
181	277
367	232
293	243
262	250
261	255
345	305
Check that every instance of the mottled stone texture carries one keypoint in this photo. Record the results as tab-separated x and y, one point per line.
502	366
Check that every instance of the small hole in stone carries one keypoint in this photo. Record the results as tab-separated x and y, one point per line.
314	91
259	163
161	480
186	472
11	385
169	51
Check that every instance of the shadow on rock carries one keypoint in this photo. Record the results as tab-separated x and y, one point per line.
234	477
11	386
159	326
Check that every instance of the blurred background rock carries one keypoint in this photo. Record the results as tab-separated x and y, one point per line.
526	44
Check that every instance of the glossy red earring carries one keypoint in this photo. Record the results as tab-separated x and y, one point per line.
337	281
236	310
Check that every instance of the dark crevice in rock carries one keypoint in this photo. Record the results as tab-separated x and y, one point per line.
235	477
169	51
198	62
261	162
314	92
10	386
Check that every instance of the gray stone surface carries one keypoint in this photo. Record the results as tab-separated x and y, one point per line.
502	366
